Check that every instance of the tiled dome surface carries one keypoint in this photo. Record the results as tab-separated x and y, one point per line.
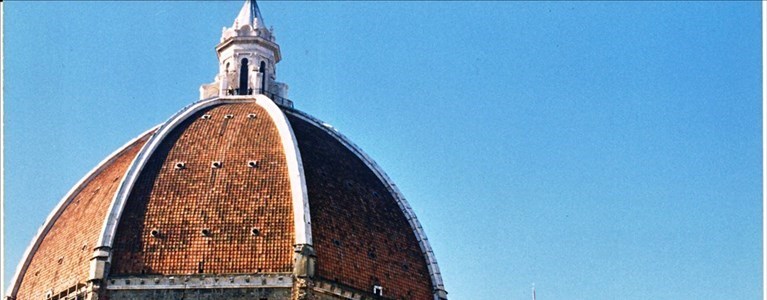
196	218
229	201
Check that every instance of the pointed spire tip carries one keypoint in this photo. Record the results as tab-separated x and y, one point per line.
248	14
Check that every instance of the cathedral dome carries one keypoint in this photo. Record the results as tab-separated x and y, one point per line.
237	196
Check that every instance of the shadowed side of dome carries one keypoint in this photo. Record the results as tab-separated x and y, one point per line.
214	198
58	260
365	237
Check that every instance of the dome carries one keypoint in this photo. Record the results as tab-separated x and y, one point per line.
231	191
236	196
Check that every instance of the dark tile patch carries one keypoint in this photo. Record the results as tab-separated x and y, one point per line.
361	236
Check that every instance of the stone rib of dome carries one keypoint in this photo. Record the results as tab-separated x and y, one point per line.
229	201
58	258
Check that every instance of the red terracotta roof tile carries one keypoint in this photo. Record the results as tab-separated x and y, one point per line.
227	201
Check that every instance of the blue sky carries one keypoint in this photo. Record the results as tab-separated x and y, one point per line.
601	150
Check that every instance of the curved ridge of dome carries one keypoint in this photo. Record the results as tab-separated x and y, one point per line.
57	211
102	255
302	217
439	291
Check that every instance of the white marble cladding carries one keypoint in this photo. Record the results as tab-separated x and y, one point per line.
257	29
200	281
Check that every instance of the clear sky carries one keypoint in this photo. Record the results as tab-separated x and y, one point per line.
601	150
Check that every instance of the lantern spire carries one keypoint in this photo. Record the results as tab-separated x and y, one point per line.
249	14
